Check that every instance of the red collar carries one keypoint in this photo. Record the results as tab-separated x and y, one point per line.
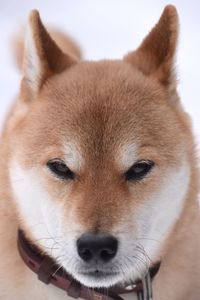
46	269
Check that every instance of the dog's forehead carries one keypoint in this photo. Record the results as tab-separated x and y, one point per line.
108	82
103	107
102	97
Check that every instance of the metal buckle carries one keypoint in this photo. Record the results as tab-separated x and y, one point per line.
130	287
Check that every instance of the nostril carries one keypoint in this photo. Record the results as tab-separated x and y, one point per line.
85	254
106	254
110	250
98	247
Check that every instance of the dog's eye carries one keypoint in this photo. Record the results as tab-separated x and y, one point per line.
59	168
139	170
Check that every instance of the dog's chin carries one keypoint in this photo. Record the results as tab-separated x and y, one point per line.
98	279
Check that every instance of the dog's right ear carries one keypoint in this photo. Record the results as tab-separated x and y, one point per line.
42	56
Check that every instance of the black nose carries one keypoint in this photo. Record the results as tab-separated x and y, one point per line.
94	247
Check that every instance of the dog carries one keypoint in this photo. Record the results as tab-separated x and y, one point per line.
99	171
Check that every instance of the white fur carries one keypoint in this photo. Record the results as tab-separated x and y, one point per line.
158	214
32	65
127	156
51	229
152	222
35	207
72	156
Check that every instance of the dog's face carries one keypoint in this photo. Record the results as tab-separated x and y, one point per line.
100	166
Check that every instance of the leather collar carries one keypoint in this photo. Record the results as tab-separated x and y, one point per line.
48	272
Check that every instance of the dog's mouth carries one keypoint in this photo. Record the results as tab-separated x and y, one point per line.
99	274
97	278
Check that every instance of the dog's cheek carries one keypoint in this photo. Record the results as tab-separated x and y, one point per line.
159	213
38	214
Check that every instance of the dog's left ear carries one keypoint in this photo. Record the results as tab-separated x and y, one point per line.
155	56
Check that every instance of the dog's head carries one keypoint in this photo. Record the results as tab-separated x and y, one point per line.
99	162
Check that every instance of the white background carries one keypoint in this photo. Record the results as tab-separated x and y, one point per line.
106	29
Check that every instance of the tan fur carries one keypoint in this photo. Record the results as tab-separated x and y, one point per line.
66	43
102	106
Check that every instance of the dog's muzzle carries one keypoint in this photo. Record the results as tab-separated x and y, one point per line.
48	272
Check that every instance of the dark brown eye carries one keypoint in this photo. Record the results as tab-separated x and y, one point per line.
59	168
139	170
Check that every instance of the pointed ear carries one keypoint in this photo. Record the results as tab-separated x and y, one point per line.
42	56
155	56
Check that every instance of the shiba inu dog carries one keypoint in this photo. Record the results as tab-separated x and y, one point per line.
99	171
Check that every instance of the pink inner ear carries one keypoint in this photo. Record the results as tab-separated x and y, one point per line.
155	55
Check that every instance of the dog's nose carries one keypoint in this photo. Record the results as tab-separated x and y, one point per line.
93	247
